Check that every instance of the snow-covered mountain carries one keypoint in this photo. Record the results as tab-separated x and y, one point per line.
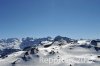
10	43
60	51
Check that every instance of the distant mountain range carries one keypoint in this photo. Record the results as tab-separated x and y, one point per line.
10	45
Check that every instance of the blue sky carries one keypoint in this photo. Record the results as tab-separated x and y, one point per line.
41	18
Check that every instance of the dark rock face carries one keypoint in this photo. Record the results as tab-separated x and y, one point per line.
27	48
14	63
6	52
34	51
45	46
52	52
98	56
26	42
58	38
97	48
29	42
26	56
93	42
86	46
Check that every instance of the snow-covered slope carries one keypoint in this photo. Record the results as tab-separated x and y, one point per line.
55	55
10	43
58	52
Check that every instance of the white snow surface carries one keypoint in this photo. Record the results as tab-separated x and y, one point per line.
63	56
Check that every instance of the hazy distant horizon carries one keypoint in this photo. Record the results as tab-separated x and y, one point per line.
34	37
